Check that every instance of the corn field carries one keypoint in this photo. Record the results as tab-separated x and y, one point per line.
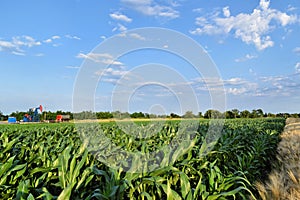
51	161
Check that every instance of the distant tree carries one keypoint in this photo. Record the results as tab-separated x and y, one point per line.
188	114
213	114
104	115
173	115
284	115
1	116
152	116
18	115
245	114
294	115
236	113
125	115
137	115
117	114
229	115
200	115
82	115
271	115
260	113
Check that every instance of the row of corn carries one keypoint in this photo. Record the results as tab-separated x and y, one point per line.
63	161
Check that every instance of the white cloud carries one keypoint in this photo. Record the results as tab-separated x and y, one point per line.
251	28
111	75
120	28
111	72
6	45
16	45
245	58
226	11
26	41
233	86
297	50
264	4
137	36
236	91
72	37
120	17
55	37
297	67
39	54
283	85
18	53
291	8
104	58
72	67
132	35
50	40
197	10
152	8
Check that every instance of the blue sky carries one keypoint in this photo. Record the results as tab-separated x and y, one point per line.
254	44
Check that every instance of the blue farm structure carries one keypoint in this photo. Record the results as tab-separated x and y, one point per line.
12	120
33	114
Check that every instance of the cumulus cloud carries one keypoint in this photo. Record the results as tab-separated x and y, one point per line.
16	45
226	11
152	8
253	28
120	17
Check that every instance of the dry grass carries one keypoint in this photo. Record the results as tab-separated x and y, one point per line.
284	180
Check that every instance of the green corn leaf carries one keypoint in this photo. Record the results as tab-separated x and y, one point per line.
5	167
185	185
20	173
30	197
66	193
171	194
146	194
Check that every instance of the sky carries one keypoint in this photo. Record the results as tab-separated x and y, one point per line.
50	51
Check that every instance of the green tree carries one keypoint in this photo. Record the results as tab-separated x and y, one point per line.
200	115
137	115
236	113
271	115
104	115
188	115
257	113
1	116
173	115
245	114
229	115
213	114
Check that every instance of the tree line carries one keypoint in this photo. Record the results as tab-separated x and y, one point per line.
230	114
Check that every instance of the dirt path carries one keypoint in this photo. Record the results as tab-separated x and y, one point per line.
284	180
